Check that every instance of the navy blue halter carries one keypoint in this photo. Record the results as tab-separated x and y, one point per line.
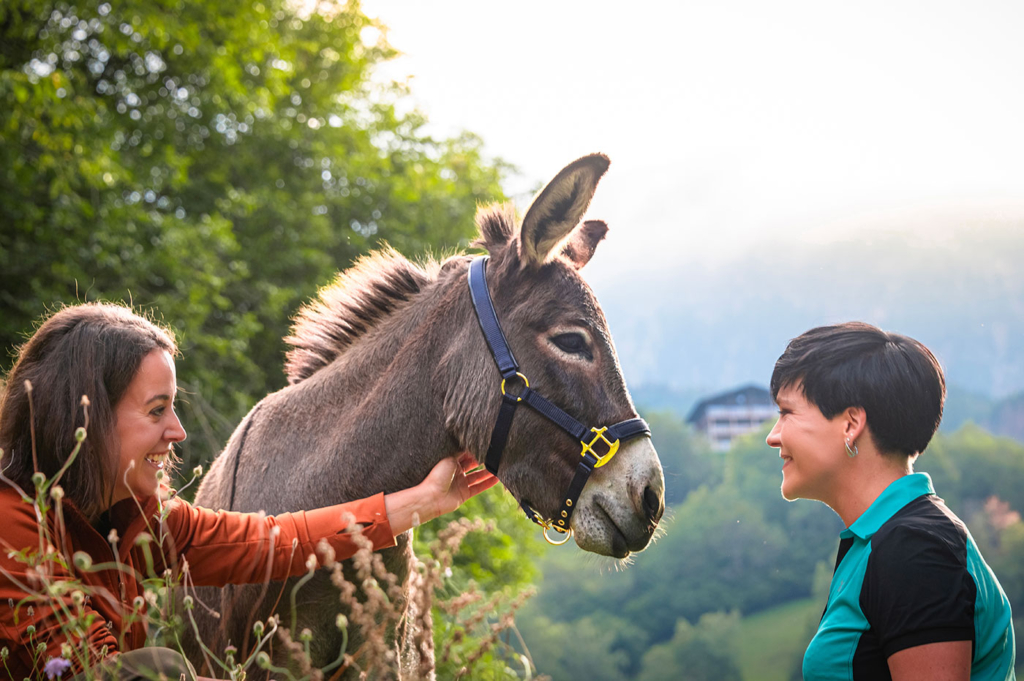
599	444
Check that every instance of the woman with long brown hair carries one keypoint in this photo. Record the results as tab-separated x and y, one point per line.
100	378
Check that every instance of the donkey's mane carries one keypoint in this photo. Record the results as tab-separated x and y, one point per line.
360	297
369	291
498	224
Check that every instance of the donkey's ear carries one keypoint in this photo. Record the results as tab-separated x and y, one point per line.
558	209
579	249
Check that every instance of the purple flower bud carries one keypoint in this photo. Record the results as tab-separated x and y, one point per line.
55	667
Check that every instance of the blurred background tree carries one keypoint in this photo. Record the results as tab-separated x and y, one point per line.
701	652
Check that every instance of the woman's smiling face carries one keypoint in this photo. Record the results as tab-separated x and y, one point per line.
811	447
147	426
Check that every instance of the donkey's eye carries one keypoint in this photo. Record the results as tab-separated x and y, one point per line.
573	343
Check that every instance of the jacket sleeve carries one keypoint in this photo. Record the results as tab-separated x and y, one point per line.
19	580
224	547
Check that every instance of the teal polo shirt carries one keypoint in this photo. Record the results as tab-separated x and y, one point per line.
908	573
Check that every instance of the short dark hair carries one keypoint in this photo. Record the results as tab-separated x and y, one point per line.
95	350
895	379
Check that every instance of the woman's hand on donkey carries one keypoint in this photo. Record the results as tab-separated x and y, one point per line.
446	487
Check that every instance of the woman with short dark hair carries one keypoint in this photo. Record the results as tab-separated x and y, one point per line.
101	377
911	596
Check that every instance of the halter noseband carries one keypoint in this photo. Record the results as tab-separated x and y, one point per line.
606	439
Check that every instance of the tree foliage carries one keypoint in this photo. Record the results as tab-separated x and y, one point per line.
701	652
970	465
215	167
594	648
685	457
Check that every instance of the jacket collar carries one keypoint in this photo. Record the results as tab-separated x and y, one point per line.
897	495
125	518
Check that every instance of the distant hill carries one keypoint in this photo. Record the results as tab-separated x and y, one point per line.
1007	417
655	397
712	327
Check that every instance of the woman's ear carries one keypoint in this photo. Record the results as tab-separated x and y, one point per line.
855	423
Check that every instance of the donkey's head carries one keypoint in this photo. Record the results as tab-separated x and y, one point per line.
558	333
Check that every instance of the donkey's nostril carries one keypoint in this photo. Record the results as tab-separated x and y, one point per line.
653	508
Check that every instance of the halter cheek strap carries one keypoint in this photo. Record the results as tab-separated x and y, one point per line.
599	445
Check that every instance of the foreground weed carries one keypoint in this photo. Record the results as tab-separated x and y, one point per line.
473	635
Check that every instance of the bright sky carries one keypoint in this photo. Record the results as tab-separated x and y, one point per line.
734	121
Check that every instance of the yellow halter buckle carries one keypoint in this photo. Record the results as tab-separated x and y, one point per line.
613	447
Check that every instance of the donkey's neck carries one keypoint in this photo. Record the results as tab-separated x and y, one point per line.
375	419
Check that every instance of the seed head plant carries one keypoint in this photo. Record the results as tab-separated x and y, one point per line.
473	637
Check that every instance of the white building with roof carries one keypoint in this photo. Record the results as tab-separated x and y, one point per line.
726	416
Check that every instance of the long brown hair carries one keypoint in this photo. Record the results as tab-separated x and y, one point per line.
95	350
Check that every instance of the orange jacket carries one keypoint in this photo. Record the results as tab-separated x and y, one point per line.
220	548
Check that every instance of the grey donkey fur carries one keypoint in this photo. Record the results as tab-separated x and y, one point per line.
389	373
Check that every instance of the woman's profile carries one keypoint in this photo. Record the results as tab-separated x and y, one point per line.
911	596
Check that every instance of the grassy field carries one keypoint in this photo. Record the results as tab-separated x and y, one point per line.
771	642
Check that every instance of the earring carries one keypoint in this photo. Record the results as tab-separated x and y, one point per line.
851	452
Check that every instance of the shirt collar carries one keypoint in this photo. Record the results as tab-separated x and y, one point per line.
897	495
125	518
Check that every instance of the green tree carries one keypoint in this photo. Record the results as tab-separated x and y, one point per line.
215	166
686	456
504	557
701	652
717	553
970	465
593	648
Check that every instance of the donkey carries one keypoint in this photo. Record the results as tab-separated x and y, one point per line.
389	373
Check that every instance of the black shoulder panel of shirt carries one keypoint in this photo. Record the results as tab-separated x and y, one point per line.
917	588
925	519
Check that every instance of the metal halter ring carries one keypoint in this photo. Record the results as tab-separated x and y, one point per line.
613	447
526	381
567	534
